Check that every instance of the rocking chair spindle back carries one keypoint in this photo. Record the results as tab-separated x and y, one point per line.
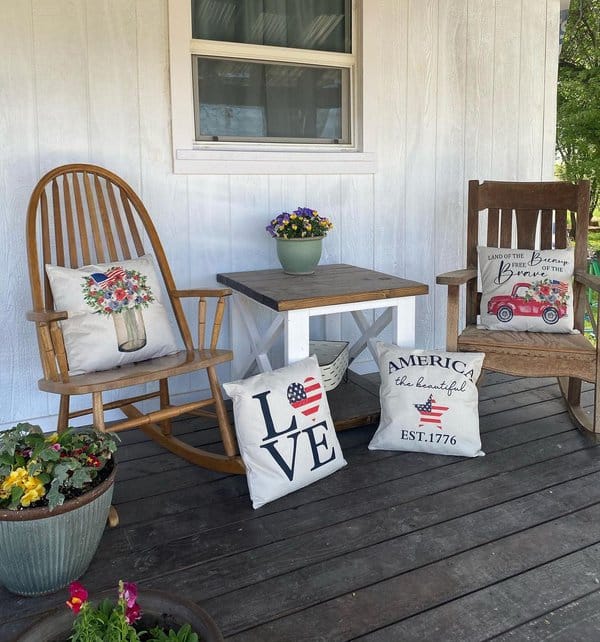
84	214
528	215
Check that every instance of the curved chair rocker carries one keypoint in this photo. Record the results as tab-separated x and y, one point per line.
530	216
84	214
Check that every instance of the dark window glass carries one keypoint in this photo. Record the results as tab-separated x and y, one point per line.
239	99
304	24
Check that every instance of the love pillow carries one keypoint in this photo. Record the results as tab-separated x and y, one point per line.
284	429
115	314
429	401
528	290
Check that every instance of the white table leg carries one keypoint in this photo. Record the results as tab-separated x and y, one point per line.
296	335
403	322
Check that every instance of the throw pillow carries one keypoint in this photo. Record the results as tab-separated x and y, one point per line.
115	314
428	401
526	289
284	428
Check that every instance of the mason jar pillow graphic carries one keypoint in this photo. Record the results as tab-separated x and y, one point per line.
121	295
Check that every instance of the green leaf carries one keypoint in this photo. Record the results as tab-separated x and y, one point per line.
55	497
15	497
34	468
61	471
49	454
80	478
184	634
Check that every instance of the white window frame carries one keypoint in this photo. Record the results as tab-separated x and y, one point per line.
207	157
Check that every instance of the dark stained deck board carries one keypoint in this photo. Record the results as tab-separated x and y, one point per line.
431	583
570	582
395	546
578	619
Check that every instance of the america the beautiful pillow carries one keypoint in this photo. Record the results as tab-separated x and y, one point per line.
115	314
429	401
529	290
284	429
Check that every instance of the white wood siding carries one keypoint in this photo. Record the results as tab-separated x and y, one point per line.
457	89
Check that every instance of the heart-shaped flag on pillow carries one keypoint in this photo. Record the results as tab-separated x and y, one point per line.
305	397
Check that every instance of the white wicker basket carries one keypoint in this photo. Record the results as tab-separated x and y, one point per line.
333	359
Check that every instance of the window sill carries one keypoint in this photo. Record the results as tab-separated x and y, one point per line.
197	161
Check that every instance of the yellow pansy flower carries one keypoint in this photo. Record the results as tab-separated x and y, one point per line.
32	495
34	490
16	477
53	438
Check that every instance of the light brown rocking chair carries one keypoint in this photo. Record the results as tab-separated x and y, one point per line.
529	216
84	214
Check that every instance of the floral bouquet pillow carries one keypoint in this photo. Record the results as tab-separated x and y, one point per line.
526	290
115	314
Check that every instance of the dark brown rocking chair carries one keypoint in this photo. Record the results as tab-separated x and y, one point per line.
84	214
529	216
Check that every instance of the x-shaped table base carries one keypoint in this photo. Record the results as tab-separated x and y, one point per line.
294	324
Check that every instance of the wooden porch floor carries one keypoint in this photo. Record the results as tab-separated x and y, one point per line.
394	547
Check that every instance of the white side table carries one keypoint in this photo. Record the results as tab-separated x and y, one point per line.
331	290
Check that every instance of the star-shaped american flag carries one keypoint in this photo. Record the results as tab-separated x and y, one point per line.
430	413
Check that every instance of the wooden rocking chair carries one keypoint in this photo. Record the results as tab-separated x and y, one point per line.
529	216
83	214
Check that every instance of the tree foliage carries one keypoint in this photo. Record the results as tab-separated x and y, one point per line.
578	117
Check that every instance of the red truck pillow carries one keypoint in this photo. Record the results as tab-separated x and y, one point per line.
528	290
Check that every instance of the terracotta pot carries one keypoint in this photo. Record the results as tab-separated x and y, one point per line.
159	609
42	551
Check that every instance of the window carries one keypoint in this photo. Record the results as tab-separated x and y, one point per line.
250	78
267	91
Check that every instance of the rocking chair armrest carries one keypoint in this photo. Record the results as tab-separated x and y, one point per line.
200	293
46	316
456	277
214	328
589	280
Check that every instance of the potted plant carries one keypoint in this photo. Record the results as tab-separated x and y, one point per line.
299	237
55	495
157	617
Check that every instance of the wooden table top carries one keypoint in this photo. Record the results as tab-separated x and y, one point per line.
329	285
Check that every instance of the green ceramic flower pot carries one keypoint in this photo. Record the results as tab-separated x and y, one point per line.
42	551
299	256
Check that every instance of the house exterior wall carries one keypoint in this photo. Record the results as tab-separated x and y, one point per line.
455	89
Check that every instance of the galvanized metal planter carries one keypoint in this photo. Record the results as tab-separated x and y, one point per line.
42	551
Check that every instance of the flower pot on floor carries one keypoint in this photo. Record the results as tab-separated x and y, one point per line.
158	609
42	551
55	494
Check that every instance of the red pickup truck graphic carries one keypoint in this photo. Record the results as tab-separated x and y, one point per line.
547	299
